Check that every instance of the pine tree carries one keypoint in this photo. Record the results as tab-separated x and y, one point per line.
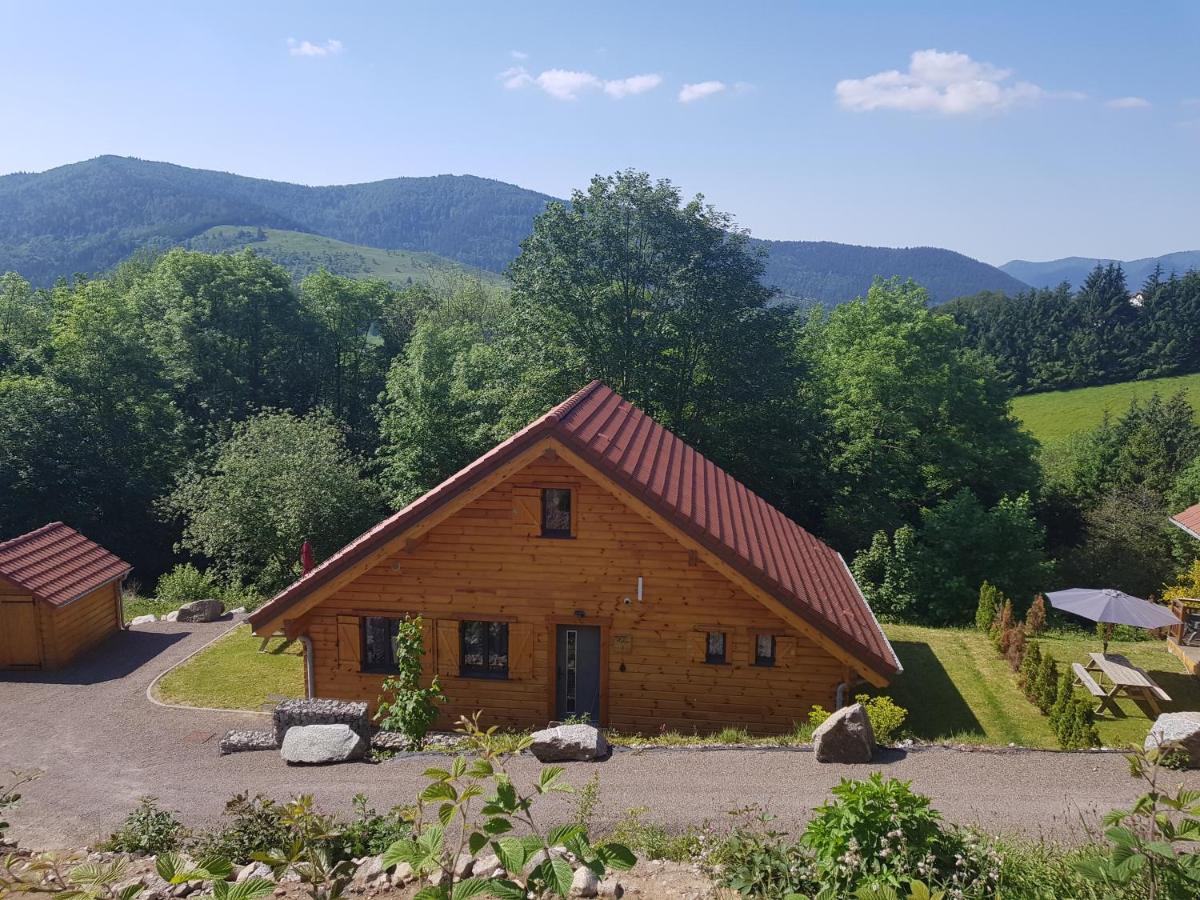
989	601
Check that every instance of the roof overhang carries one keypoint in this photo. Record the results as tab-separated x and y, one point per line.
1182	527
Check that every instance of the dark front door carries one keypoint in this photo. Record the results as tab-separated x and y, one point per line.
579	671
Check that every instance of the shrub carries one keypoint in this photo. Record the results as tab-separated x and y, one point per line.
1002	626
1014	647
251	825
879	833
989	606
1027	673
147	831
1035	619
1074	725
1045	690
757	861
369	833
405	706
186	583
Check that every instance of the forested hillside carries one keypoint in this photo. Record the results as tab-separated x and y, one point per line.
302	254
1074	270
89	216
832	273
1056	339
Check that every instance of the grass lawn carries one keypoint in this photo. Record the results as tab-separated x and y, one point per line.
956	687
1055	416
232	674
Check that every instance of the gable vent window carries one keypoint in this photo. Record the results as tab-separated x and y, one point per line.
714	648
556	512
764	650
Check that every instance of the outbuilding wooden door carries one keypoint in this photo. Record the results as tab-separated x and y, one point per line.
19	644
578	672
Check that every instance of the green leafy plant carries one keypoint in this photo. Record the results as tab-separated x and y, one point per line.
186	583
472	805
176	869
586	801
251	825
405	706
147	831
308	852
1152	845
10	795
655	841
369	832
758	861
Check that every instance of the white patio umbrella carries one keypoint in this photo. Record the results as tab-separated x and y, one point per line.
1111	607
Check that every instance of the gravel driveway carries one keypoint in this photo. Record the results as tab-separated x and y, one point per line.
102	744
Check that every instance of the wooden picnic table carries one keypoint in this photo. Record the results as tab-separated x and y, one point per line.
1125	679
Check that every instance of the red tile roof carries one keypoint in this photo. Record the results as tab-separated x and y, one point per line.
1189	520
57	564
684	487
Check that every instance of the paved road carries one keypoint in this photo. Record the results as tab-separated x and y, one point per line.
102	745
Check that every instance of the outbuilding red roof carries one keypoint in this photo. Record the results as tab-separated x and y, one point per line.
1189	520
57	564
680	484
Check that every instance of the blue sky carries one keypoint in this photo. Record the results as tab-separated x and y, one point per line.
1034	131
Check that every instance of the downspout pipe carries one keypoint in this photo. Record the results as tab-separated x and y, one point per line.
308	666
840	697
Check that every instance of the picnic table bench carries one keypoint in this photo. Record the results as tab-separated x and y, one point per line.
1126	679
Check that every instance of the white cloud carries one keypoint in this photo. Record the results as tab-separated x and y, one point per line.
307	48
518	54
1128	103
634	84
566	84
949	83
692	92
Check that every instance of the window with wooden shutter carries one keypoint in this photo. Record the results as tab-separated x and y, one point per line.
447	647
785	651
428	641
527	510
697	646
520	651
349	644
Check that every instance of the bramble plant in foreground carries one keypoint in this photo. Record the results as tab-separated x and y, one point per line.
476	804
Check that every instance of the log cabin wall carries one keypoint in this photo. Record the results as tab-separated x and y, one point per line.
81	624
489	562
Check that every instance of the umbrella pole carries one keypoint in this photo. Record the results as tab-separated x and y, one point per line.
1106	632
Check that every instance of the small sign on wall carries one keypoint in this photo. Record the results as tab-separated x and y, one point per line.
622	643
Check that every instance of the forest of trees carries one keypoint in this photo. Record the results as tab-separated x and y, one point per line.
1046	340
208	408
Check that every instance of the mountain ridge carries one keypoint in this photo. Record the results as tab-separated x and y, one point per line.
87	216
1074	269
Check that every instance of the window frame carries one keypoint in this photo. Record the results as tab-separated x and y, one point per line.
393	628
766	662
558	534
709	658
484	671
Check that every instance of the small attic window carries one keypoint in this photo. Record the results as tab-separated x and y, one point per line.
556	512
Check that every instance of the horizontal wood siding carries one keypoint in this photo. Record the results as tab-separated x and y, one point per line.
81	624
487	562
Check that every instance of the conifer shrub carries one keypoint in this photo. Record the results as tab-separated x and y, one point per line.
1046	684
989	606
1028	671
1035	619
1014	650
1002	625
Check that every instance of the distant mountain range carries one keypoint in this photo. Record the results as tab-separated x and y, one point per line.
1074	269
88	216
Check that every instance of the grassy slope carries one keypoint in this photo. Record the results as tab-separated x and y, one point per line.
956	687
1055	416
232	674
303	253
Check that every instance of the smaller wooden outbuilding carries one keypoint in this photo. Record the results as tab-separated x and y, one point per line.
60	594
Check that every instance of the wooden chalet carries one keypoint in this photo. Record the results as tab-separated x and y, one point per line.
593	565
60	594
